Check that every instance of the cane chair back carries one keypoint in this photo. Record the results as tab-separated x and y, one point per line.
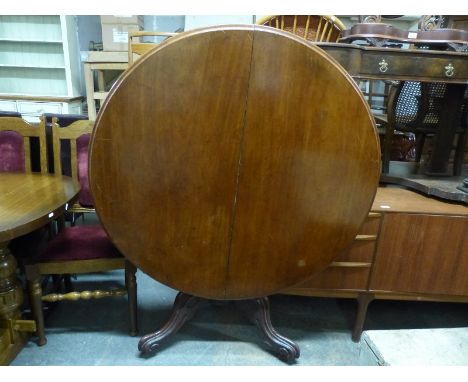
415	107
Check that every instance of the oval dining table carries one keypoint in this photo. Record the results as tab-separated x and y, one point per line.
243	158
28	201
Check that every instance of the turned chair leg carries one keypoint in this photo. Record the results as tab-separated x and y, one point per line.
35	298
67	283
131	285
387	148
460	153
420	139
364	299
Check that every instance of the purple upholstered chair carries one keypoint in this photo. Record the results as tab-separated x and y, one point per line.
77	135
15	145
63	120
80	248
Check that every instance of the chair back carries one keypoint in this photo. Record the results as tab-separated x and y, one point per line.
15	145
137	48
417	106
78	135
63	120
311	27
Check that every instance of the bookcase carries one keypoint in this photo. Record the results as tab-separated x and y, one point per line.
39	65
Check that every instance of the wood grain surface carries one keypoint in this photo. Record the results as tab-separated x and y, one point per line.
396	199
422	254
232	162
27	200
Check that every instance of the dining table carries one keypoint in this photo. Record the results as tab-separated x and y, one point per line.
28	201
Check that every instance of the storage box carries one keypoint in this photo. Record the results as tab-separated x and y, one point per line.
118	19
115	31
115	36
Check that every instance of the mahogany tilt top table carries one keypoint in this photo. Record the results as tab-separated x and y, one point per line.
232	162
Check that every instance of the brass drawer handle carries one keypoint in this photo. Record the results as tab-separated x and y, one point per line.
449	70
383	65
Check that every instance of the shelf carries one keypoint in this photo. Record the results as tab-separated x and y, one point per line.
27	97
30	66
6	39
40	64
32	28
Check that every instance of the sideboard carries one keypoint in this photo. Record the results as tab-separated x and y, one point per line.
411	247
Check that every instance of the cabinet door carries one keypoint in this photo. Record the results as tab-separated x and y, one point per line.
422	254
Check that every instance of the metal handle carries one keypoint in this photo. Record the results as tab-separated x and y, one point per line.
383	65
449	70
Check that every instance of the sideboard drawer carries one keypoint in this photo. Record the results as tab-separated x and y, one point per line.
363	247
338	277
371	224
360	251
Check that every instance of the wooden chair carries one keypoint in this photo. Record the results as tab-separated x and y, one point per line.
139	48
77	249
75	137
63	120
415	107
311	27
15	145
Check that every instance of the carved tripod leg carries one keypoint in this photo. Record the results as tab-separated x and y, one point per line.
364	299
184	309
259	311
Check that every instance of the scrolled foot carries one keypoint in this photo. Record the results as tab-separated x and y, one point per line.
259	311
149	345
288	353
184	308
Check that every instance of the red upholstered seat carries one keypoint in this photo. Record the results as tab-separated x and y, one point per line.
79	243
11	152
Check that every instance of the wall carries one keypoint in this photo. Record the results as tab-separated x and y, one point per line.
198	21
164	23
89	29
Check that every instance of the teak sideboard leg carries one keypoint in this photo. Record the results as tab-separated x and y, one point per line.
364	299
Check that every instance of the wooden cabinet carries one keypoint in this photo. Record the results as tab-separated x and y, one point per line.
39	65
421	253
411	247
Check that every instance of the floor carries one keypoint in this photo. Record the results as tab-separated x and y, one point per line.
90	333
95	333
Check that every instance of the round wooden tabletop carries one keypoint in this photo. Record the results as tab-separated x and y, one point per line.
232	162
29	201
